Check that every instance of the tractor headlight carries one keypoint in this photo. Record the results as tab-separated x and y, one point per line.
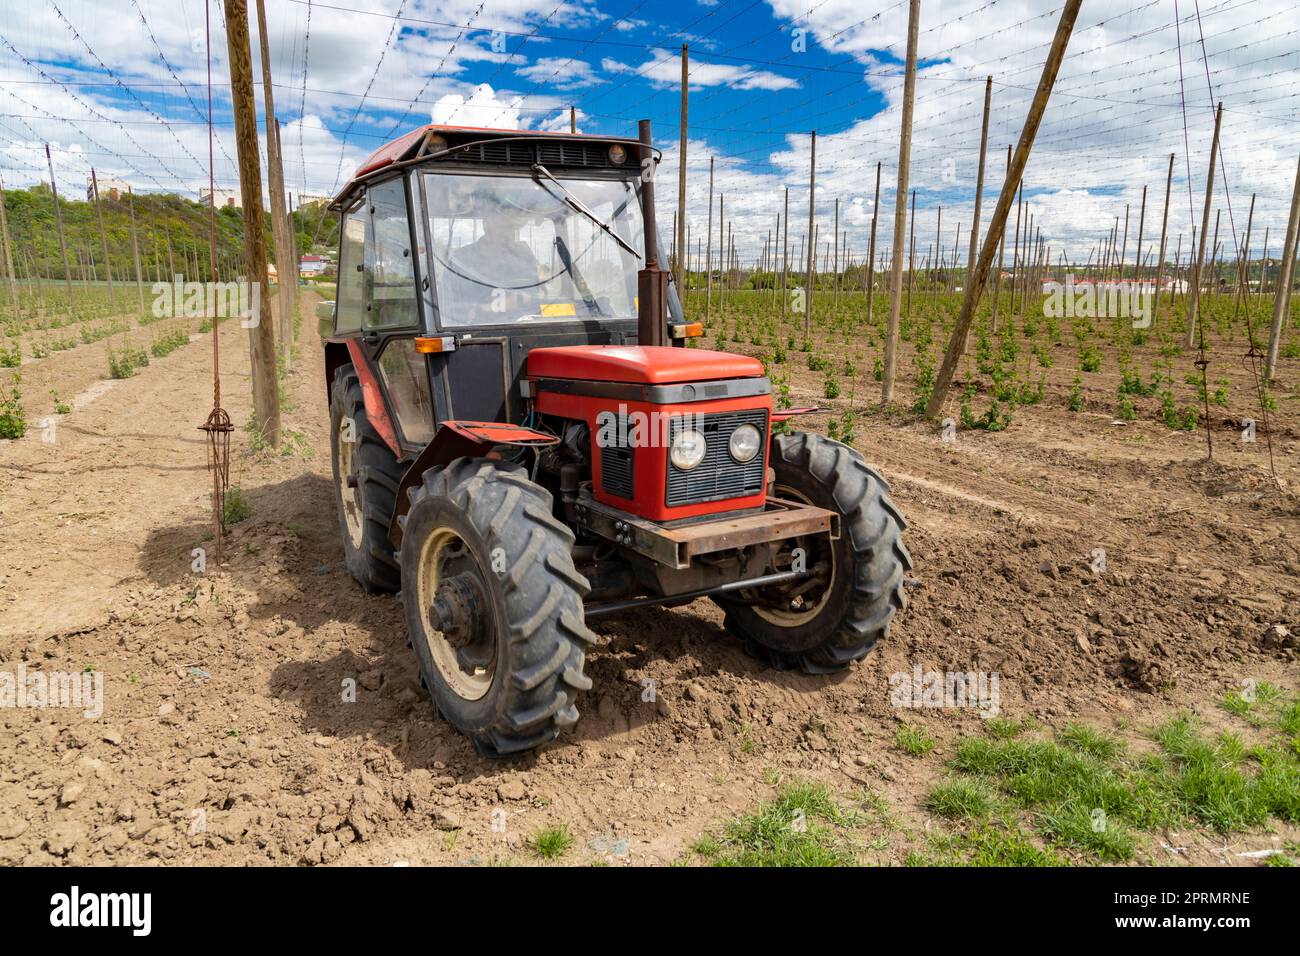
688	449
744	444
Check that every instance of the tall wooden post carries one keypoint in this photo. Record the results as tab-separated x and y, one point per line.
1123	253
871	252
286	275
909	96
1164	229
1142	221
58	221
785	254
1195	291
1050	68
1243	254
979	181
1286	275
266	399
812	243
835	281
103	239
681	172
708	250
9	254
135	251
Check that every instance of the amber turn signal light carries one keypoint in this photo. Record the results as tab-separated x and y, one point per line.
442	343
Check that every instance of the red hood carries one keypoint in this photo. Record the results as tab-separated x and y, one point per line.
649	365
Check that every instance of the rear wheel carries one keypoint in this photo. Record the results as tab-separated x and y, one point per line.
366	475
494	605
834	616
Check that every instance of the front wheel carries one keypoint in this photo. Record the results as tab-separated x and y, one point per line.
493	604
822	622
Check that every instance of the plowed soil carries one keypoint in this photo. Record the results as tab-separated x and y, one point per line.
226	739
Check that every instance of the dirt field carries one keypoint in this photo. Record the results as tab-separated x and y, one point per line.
225	738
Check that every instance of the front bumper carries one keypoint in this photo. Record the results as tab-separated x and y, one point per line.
678	545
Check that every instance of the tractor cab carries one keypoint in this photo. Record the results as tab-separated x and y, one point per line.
522	441
476	247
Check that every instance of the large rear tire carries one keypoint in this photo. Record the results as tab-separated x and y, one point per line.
494	605
823	623
366	475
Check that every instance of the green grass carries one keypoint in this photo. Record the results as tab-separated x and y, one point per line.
913	740
801	826
1005	729
1253	704
552	842
236	506
961	799
986	845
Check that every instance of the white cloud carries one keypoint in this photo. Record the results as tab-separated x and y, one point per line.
665	69
560	73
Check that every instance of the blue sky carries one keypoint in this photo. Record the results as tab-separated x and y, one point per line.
121	85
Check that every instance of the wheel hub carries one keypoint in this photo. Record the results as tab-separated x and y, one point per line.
456	613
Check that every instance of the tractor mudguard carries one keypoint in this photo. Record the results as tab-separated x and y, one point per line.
459	438
371	394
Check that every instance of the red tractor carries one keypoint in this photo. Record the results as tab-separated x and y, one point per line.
522	440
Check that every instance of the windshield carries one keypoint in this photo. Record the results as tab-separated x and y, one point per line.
511	249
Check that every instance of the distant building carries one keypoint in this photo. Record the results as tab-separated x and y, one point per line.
109	188
306	199
222	197
311	265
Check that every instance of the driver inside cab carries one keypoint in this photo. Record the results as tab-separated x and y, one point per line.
499	253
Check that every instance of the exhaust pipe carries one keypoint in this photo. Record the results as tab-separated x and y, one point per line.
652	281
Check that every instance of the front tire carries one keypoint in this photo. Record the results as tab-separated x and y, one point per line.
837	615
366	476
493	605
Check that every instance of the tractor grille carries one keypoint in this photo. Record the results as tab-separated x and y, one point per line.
719	475
616	471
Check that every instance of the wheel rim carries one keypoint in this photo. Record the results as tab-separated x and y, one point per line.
800	601
455	614
350	486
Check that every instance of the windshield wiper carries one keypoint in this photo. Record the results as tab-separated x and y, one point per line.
578	205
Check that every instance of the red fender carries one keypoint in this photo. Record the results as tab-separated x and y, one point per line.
373	397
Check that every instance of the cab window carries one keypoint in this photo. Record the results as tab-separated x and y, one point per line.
351	296
389	263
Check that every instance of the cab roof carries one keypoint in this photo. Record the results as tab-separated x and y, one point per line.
407	146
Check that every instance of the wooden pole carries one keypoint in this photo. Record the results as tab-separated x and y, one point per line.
1142	221
58	221
812	243
103	239
785	254
9	255
286	275
979	181
871	252
1164	229
900	199
1285	277
998	225
681	170
135	251
266	399
1243	254
708	251
1195	291
835	281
